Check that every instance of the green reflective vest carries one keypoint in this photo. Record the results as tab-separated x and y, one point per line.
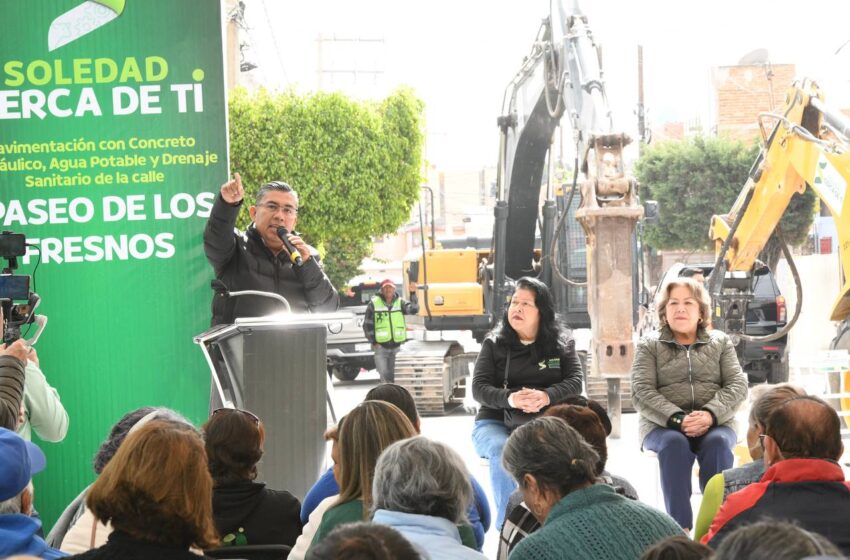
389	322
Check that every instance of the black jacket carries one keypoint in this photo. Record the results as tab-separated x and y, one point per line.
558	375
122	546
243	262
262	515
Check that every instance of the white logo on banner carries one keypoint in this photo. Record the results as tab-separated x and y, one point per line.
830	183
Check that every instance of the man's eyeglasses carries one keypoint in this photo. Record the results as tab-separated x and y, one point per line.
275	208
247	413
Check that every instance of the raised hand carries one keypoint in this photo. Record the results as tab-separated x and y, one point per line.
232	191
18	349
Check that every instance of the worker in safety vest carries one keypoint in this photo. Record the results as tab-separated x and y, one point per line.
384	326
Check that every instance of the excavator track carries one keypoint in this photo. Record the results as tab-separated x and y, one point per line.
433	372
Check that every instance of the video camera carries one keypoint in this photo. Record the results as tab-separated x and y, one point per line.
15	287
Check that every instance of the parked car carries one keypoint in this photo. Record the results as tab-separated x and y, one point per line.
766	313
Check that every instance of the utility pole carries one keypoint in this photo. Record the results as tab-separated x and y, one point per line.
641	110
235	13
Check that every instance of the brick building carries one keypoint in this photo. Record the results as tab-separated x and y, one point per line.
744	91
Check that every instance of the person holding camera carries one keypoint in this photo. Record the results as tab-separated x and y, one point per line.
40	408
43	412
269	256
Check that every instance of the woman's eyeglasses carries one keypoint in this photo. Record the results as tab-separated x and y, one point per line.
247	413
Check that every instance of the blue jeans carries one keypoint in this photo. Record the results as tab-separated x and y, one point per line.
676	454
385	363
489	437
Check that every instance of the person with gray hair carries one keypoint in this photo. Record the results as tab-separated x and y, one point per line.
421	488
269	256
556	471
775	540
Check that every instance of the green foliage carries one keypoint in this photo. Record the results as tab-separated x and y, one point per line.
355	165
691	180
697	178
795	225
343	262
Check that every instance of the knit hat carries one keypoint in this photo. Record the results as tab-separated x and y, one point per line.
19	461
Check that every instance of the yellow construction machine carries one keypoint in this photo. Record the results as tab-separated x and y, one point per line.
806	144
467	289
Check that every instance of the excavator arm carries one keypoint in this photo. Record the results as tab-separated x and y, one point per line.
808	146
562	79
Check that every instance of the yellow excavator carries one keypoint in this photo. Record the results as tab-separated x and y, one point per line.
806	144
467	289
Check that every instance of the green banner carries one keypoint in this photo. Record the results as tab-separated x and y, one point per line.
113	141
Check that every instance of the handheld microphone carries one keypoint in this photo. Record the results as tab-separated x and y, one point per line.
219	287
294	255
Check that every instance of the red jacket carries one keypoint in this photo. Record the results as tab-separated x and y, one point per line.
810	492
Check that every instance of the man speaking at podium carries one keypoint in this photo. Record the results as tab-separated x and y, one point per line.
269	256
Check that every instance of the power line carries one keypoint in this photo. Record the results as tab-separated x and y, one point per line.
274	42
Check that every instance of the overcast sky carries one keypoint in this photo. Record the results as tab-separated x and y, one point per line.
459	55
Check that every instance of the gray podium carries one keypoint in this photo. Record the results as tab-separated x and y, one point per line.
276	368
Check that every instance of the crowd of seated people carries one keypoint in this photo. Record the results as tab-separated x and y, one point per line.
591	421
166	489
478	514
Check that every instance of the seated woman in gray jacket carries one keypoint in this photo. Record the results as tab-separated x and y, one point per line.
421	489
686	386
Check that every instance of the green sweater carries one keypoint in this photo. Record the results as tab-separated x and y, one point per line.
712	499
596	523
349	512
